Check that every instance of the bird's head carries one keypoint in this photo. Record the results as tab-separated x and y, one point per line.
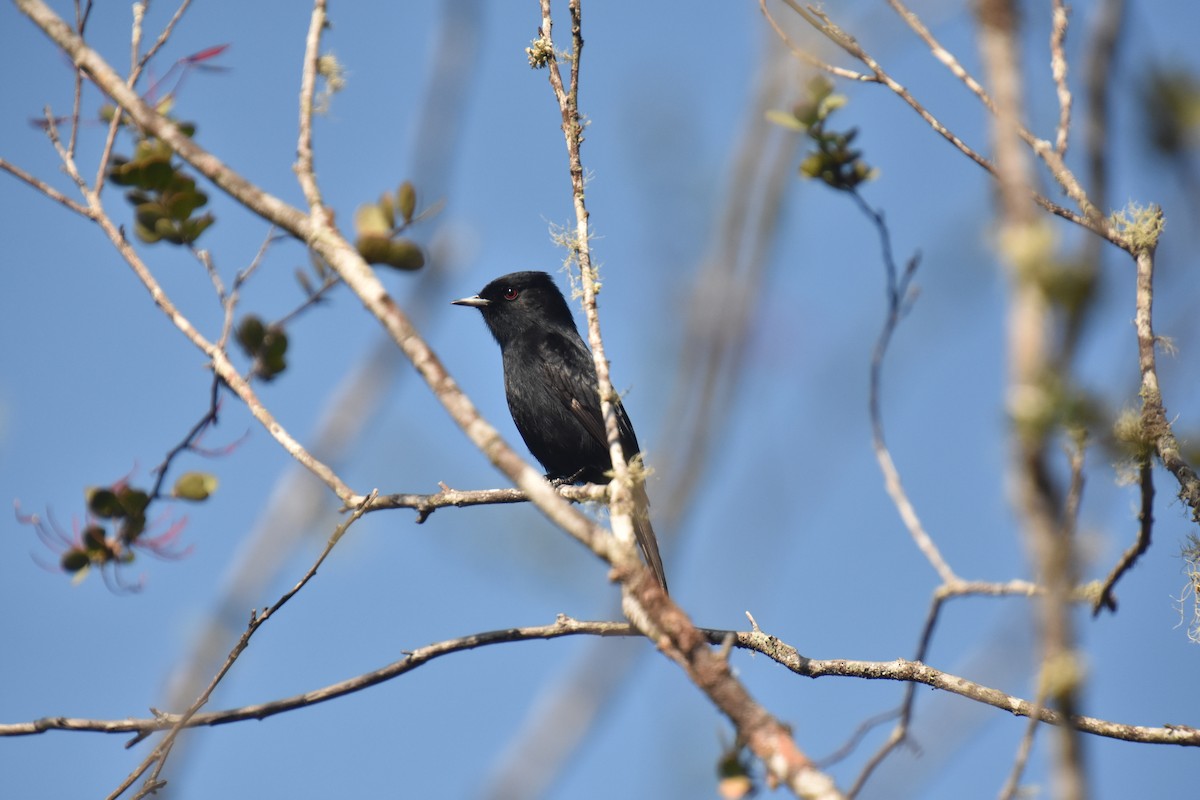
519	302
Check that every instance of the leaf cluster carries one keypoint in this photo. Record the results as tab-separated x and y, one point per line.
833	160
379	227
164	197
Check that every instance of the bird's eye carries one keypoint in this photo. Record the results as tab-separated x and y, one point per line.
510	293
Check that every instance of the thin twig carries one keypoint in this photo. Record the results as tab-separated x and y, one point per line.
81	19
1013	783
866	726
46	189
808	57
941	53
161	41
1141	543
899	299
189	440
1090	218
315	297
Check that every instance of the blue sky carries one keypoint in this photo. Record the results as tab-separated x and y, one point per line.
790	521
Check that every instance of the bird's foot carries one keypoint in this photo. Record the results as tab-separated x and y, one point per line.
565	480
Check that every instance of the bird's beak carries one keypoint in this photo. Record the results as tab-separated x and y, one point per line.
476	301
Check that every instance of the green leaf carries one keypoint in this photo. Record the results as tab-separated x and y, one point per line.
250	334
373	248
402	254
145	234
93	538
74	560
305	282
271	366
191	229
819	87
148	214
180	203
388	206
406	201
833	102
104	503
155	172
134	501
275	343
195	486
785	120
132	528
371	220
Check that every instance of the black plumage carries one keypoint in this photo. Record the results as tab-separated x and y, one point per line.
550	381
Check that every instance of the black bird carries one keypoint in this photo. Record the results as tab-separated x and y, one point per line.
550	381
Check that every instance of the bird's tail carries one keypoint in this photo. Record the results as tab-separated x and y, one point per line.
644	532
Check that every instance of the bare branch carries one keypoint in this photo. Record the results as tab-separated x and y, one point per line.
426	504
1058	69
1025	747
756	640
1155	424
46	189
160	42
308	82
1141	543
808	57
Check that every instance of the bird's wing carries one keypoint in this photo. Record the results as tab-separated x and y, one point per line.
571	375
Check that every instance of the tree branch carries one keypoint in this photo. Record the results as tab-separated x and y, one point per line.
754	640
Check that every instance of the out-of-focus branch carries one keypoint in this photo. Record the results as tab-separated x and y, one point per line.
1030	349
808	57
1098	81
